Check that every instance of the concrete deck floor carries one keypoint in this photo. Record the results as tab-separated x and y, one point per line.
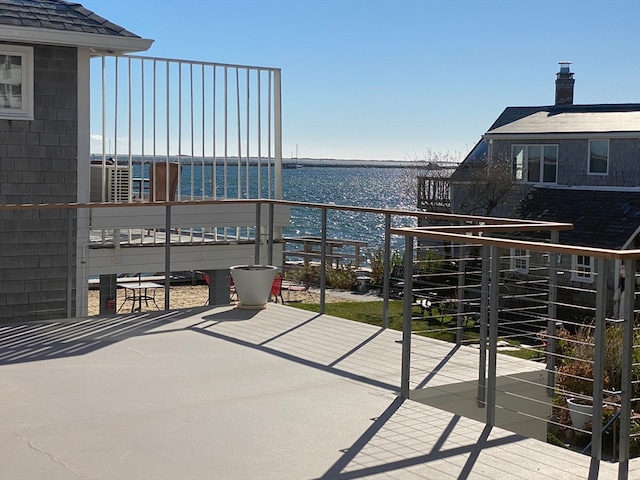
221	393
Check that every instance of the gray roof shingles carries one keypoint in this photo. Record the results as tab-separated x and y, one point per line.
568	119
57	15
563	119
601	218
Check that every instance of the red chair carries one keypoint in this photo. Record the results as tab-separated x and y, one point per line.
301	288
276	289
232	289
205	277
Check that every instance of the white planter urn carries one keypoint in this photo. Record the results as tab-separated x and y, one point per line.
253	284
581	413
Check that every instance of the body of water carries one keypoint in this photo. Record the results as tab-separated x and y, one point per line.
362	186
356	186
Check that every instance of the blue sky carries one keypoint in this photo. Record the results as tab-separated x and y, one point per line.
395	80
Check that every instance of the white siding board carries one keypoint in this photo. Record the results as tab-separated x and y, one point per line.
186	216
183	258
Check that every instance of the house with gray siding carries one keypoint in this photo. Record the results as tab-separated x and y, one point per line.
45	48
563	162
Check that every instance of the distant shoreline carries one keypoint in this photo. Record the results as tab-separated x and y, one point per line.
253	161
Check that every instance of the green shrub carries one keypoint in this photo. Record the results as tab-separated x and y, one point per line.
342	278
376	260
576	355
430	262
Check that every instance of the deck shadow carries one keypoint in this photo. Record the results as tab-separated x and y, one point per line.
51	339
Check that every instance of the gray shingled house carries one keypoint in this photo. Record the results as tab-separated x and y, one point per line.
45	51
564	162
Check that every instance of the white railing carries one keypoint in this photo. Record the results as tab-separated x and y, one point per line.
220	123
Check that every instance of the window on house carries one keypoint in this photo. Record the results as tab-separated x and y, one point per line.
16	82
520	260
598	157
582	268
535	163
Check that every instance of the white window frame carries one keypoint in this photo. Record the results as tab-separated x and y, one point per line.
589	158
582	268
519	260
521	169
25	111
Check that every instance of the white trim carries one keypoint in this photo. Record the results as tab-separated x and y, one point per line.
525	163
580	276
599	188
551	136
630	239
82	172
517	254
97	42
25	112
597	174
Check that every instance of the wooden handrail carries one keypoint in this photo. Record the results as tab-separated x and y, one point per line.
441	233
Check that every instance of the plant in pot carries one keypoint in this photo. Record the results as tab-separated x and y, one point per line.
253	284
575	374
575	380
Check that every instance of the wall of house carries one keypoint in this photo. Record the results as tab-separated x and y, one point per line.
38	165
624	161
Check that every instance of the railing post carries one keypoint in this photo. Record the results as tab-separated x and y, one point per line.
598	364
270	238
277	133
167	256
256	259
627	364
462	252
70	272
386	260
552	313
494	300
406	317
323	259
484	320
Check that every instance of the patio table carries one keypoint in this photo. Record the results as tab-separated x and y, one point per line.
139	291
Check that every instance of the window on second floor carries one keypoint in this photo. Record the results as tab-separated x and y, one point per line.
582	268
535	163
598	157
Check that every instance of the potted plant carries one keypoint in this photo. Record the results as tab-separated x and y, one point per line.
575	374
253	284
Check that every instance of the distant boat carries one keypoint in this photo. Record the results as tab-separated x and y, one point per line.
296	163
288	166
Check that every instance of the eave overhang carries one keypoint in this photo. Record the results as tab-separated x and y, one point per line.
99	44
560	135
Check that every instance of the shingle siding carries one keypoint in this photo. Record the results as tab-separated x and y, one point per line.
38	165
624	161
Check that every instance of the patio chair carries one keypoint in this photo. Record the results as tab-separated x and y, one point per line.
205	277
300	288
232	289
276	289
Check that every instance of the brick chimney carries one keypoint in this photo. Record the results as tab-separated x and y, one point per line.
564	85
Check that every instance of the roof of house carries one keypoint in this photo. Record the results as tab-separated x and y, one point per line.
59	22
477	157
601	218
612	120
568	119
